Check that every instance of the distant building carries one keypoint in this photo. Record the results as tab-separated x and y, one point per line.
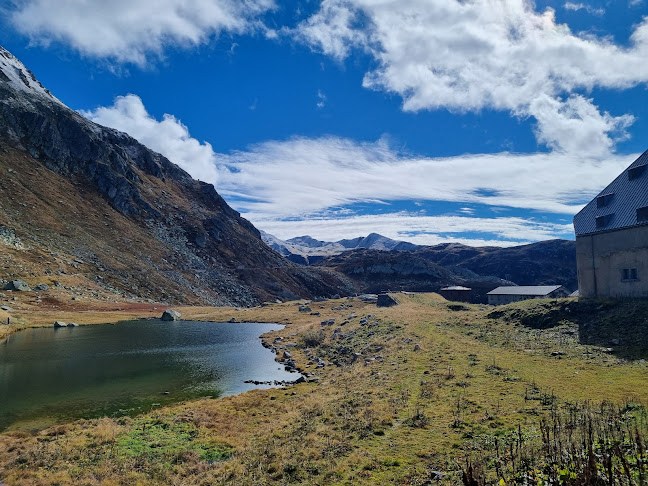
506	295
456	293
612	237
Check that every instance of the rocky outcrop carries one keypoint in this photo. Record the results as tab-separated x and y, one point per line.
171	315
17	286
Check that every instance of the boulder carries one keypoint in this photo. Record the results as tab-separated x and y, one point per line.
304	308
386	300
17	285
42	287
59	324
170	315
72	324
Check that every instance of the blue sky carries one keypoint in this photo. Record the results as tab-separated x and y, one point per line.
485	122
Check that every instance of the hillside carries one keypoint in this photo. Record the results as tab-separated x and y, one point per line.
542	263
378	271
90	209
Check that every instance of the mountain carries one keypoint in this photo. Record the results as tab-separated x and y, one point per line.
542	263
430	268
378	271
89	209
307	250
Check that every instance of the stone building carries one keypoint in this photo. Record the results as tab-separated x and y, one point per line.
456	293
612	237
506	295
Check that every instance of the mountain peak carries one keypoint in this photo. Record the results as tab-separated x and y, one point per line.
14	72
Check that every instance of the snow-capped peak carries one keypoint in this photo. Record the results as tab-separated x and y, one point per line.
14	72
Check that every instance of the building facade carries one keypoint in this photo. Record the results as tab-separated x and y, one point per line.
612	238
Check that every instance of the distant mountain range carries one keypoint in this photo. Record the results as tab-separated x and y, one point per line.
308	251
377	263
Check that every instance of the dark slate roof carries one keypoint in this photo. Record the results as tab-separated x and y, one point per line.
628	196
525	290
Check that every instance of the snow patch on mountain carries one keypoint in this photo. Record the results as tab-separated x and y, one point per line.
14	72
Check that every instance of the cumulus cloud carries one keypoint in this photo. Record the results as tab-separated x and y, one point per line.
467	56
167	136
132	30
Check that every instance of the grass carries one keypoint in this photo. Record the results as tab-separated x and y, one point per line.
419	388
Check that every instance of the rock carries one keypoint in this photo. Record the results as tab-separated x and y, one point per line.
59	324
72	324
304	308
170	315
368	297
315	314
557	353
6	308
417	347
287	355
233	320
17	285
42	287
386	300
615	342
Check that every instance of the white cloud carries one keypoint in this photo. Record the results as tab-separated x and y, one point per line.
321	99
301	177
285	187
169	136
581	6
132	30
422	230
467	56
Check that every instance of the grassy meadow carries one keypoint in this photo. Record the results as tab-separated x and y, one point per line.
427	392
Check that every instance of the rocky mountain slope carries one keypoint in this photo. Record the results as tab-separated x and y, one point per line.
379	271
542	263
87	207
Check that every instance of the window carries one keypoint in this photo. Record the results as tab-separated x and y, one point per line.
629	274
604	221
604	200
636	172
642	215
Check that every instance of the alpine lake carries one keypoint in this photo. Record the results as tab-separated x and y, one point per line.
49	376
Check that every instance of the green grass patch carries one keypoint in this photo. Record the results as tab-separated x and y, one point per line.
169	441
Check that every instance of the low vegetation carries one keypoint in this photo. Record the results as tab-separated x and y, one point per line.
421	393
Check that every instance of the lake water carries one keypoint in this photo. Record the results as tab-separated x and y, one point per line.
49	375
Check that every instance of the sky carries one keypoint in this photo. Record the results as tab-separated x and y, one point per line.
485	122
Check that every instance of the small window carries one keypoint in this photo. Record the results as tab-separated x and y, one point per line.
604	221
629	274
642	215
636	172
604	200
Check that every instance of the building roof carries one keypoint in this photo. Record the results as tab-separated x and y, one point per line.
618	203
455	287
525	290
575	293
